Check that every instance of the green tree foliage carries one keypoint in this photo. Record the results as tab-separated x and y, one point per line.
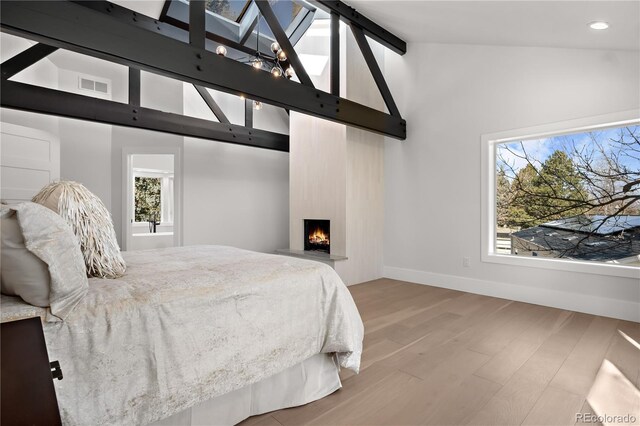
554	191
147	199
521	189
503	197
558	190
596	173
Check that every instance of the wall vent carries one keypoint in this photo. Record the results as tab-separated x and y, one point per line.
87	83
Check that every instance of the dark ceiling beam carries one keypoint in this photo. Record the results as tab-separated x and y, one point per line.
41	100
197	32
97	32
173	28
370	59
212	104
334	55
283	41
351	16
25	59
134	86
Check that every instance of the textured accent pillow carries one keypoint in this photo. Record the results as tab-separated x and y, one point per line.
47	236
91	222
22	273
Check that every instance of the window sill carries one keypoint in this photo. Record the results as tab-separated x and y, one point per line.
598	268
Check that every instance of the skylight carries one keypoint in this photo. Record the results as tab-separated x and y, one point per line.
230	9
286	11
232	23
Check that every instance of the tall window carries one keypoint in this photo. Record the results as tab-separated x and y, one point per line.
570	196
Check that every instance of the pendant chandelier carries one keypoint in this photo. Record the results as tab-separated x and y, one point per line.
277	66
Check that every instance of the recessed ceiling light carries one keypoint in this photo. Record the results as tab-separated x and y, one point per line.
598	25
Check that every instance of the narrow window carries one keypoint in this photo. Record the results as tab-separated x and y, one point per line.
148	202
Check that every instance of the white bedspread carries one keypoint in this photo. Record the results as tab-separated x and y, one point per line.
186	324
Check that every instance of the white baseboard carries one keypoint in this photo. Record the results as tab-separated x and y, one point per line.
613	308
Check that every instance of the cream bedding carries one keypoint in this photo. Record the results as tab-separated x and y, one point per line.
186	324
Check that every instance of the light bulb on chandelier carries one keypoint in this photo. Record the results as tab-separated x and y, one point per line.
257	63
276	72
275	47
257	105
221	50
281	55
289	72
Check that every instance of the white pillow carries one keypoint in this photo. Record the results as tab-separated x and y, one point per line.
91	222
22	272
47	236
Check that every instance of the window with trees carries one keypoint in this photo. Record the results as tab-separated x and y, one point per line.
147	199
153	196
570	196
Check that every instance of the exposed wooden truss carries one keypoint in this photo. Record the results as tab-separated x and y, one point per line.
107	31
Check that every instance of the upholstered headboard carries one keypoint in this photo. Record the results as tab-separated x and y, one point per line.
29	159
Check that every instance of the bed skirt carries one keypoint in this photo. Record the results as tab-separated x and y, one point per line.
305	382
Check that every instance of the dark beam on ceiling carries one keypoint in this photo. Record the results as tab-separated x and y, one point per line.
134	86
197	32
334	54
25	59
212	104
49	101
351	16
375	70
85	29
284	42
248	113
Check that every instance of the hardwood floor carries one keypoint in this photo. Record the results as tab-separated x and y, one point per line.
443	357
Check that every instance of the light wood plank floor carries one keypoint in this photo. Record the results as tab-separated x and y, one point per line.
443	357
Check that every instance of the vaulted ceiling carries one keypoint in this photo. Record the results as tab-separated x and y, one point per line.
511	23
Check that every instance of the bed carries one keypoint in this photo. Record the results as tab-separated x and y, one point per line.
202	334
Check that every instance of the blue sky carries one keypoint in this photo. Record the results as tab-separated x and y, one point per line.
541	149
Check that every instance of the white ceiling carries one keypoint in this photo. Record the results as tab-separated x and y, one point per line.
548	23
511	23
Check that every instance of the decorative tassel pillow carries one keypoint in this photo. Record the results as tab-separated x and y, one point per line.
92	224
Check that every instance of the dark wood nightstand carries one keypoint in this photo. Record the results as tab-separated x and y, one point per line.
27	393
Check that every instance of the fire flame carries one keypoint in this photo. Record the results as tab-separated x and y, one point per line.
318	237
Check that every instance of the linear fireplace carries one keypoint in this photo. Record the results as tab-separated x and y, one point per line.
316	235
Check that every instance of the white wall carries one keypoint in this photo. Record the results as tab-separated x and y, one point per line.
450	96
85	147
85	156
235	195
